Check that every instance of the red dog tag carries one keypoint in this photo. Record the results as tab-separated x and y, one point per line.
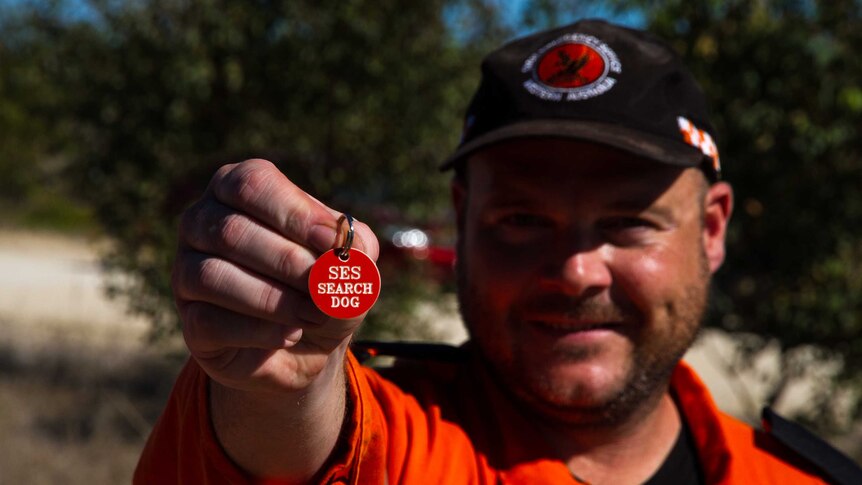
344	283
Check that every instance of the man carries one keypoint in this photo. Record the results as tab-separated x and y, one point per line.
590	216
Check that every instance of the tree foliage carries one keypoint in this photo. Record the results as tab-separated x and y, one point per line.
31	138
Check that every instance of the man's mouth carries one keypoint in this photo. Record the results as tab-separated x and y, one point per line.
560	314
565	325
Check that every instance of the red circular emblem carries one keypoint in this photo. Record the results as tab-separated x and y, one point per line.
570	65
344	288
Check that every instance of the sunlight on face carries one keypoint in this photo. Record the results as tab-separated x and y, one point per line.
582	273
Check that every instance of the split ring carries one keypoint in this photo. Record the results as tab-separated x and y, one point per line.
344	252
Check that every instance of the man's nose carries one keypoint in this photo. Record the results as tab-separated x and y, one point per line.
584	272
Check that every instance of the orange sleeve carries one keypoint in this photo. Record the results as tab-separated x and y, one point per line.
182	447
387	437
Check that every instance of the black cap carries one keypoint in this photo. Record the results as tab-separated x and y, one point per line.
592	81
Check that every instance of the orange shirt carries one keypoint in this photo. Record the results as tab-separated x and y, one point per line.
449	424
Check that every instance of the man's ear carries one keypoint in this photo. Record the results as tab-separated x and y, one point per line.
459	201
718	205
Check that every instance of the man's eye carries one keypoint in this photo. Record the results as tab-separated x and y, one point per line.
627	231
625	223
524	220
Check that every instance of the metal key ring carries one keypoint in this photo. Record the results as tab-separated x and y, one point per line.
344	252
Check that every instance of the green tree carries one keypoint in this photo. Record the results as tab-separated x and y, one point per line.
31	141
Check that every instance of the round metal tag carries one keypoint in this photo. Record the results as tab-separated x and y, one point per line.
344	288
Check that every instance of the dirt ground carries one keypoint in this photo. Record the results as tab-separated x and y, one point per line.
80	386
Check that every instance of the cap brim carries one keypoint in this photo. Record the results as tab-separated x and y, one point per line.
636	142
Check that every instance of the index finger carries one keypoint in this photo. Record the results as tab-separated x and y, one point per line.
257	188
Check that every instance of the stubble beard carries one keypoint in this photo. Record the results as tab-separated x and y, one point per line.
652	362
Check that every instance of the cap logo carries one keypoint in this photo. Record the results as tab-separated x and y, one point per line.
699	139
571	68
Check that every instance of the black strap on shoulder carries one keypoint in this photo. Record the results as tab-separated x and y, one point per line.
364	350
835	466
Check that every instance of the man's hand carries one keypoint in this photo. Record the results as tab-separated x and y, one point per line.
240	280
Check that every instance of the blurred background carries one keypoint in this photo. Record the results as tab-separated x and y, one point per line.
113	116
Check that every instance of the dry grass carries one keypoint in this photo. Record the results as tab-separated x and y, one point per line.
74	414
79	386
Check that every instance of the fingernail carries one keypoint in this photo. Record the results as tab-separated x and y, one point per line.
321	238
292	337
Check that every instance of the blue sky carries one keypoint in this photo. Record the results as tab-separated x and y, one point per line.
585	9
79	9
76	8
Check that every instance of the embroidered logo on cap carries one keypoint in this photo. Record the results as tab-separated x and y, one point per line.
700	140
571	68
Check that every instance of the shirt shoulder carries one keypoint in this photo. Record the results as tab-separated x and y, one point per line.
427	372
757	457
732	452
833	464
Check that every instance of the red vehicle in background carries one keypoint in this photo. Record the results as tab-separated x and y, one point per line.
431	249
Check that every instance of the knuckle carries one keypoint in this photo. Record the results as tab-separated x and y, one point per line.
300	218
288	262
196	334
190	223
180	275
246	184
271	299
224	170
260	162
192	319
222	173
231	232
208	273
200	330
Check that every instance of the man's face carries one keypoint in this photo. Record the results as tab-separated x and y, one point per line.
583	272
